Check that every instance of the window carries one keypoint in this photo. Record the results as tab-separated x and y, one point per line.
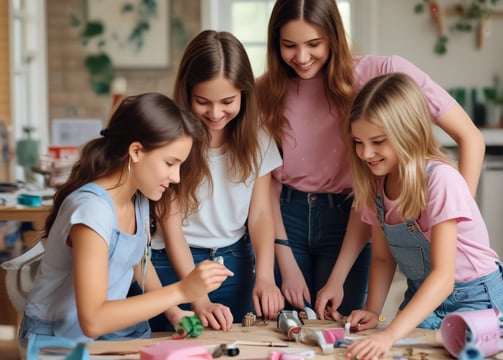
29	69
248	20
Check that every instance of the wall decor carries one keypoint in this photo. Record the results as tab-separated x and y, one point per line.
122	34
468	15
136	31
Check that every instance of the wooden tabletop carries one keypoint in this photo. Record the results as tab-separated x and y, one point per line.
36	215
268	333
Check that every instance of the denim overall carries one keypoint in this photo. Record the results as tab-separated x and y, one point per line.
121	252
411	251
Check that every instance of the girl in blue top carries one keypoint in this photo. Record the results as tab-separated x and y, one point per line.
96	237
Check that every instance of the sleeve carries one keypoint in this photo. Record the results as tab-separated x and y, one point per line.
368	67
438	99
448	196
269	156
94	212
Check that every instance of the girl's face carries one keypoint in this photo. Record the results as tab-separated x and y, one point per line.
216	102
156	169
373	147
304	47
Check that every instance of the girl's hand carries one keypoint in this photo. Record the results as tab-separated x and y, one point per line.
218	316
370	347
294	288
267	299
328	300
175	315
205	277
362	320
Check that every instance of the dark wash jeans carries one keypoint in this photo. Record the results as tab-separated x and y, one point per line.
316	224
235	292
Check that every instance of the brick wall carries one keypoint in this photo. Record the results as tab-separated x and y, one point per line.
70	94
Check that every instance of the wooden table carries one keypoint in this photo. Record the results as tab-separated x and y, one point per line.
268	333
36	215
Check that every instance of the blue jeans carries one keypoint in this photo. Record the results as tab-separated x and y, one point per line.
483	293
315	224
235	292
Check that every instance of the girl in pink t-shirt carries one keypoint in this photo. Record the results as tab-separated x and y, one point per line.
322	247
424	218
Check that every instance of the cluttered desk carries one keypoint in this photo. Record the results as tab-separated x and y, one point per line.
285	339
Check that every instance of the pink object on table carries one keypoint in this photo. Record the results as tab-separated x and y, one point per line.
484	326
175	350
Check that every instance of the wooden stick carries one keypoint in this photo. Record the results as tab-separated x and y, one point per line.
262	343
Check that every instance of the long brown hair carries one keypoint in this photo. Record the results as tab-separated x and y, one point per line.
154	120
338	79
211	54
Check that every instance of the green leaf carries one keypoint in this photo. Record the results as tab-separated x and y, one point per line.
93	28
418	8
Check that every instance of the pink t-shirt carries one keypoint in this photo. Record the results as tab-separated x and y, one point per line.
449	198
315	158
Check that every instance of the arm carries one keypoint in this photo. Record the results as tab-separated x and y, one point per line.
432	292
267	298
382	270
216	315
99	316
471	145
293	284
330	296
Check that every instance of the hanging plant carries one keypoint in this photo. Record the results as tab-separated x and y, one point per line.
99	63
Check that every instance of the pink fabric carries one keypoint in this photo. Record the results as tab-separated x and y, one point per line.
449	198
315	158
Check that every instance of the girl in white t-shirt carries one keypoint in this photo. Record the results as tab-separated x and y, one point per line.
423	216
234	221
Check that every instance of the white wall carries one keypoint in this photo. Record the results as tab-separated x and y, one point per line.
388	27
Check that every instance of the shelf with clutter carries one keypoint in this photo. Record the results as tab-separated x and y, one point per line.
467	16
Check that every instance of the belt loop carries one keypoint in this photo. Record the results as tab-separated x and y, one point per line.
289	192
330	198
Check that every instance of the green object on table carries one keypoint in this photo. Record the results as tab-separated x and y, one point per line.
190	326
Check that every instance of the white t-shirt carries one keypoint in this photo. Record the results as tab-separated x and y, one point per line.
221	218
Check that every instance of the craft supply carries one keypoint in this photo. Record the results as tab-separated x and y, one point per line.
262	343
324	338
249	319
29	200
289	323
483	327
189	326
174	350
347	328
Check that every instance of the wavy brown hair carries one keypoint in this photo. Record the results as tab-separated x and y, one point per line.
209	55
154	120
338	71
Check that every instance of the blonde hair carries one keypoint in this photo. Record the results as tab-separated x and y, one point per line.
397	104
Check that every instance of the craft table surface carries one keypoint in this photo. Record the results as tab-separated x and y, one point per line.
114	350
264	333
